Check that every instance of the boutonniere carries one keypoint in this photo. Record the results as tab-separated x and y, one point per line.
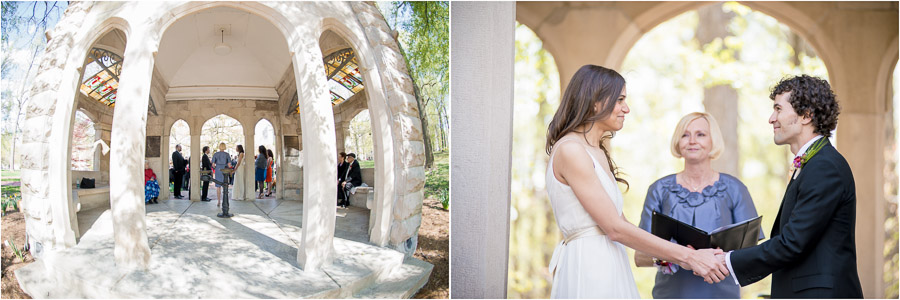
801	160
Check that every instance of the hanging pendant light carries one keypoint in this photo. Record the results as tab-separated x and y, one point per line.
222	48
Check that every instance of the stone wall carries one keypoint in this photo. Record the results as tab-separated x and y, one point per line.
45	204
398	89
46	232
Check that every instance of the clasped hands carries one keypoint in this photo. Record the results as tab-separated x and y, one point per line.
707	263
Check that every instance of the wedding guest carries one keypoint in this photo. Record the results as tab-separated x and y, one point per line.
205	165
238	176
220	161
581	181
341	174
151	185
178	168
353	178
700	196
270	173
261	161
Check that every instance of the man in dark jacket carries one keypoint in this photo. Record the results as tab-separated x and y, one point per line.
341	174
812	249
205	165
178	165
352	178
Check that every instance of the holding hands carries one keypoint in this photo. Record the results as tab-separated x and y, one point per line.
707	263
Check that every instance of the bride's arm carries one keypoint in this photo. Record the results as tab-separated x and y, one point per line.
589	190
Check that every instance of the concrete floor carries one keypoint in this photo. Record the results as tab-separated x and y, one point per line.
195	254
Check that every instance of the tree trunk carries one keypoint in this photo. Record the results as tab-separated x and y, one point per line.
429	153
720	101
429	156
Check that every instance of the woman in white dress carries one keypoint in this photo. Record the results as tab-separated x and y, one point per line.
591	261
239	175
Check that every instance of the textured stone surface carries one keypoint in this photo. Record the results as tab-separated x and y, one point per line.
401	230
409	205
412	153
414	180
34	156
410	127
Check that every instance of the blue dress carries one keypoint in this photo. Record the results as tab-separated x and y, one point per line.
727	201
151	190
221	159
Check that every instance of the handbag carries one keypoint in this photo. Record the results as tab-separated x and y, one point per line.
86	183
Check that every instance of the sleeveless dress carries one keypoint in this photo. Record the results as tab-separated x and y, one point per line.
239	180
269	170
588	264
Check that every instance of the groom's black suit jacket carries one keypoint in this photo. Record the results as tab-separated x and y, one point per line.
812	249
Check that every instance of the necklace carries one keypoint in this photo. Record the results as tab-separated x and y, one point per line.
695	187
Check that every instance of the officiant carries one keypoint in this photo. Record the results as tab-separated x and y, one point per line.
700	196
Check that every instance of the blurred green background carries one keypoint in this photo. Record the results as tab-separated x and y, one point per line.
667	71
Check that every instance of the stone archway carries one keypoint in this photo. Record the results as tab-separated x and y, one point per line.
389	91
554	21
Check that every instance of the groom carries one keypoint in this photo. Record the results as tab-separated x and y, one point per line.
812	252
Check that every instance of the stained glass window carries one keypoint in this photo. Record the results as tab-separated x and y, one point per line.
101	76
344	79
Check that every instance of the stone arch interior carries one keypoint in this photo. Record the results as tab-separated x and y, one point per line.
225	129
349	98
179	135
95	99
265	136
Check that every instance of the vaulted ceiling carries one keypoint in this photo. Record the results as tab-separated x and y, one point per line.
192	69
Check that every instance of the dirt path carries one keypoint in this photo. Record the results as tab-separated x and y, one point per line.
434	247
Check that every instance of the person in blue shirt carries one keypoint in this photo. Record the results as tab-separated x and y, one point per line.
700	196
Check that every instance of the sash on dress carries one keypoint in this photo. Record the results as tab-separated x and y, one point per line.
557	256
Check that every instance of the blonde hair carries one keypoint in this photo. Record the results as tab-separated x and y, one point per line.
718	143
222	146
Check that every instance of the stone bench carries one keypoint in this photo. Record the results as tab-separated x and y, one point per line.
87	199
364	197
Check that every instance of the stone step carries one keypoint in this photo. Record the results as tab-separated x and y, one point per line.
404	282
195	255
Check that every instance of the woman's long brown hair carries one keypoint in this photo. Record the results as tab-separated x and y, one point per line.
589	85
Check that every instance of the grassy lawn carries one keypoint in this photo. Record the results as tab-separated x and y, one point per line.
10	175
437	179
366	164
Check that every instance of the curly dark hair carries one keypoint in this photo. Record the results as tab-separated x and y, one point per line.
811	97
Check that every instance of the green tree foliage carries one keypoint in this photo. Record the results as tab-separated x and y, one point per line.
359	137
23	25
424	31
533	231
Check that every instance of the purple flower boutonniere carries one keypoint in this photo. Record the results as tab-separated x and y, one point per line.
801	160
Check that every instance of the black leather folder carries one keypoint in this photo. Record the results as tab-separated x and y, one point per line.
730	237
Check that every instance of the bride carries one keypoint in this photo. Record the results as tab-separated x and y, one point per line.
591	261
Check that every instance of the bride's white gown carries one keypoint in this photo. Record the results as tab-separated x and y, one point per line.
592	265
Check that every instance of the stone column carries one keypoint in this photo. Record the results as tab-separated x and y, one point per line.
129	132
864	153
249	167
319	159
196	154
279	161
99	151
163	175
482	143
